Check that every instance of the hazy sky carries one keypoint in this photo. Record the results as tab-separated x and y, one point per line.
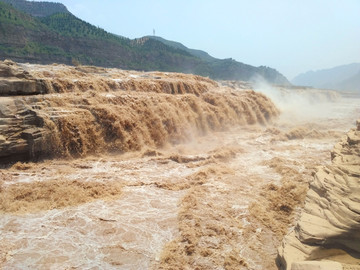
292	36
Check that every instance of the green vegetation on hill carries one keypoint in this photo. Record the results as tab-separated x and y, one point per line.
37	9
226	69
12	16
64	38
16	30
68	25
198	53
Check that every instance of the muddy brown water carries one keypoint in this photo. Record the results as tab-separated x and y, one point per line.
222	200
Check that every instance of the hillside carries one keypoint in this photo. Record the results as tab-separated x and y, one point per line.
345	77
198	53
63	38
350	84
37	9
36	37
228	69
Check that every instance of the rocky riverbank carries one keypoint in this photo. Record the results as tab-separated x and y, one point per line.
327	235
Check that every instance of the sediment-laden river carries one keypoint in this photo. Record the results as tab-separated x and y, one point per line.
220	199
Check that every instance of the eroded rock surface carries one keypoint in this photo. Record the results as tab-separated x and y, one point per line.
22	130
16	81
73	111
329	226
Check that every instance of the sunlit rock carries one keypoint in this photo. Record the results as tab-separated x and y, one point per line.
329	226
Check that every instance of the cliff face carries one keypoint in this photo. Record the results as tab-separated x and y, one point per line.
328	230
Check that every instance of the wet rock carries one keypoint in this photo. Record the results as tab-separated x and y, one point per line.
16	81
21	130
11	69
329	226
16	86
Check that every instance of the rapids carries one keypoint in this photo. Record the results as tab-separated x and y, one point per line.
146	177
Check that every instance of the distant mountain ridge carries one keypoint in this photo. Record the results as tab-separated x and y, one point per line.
45	33
37	9
344	77
352	83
